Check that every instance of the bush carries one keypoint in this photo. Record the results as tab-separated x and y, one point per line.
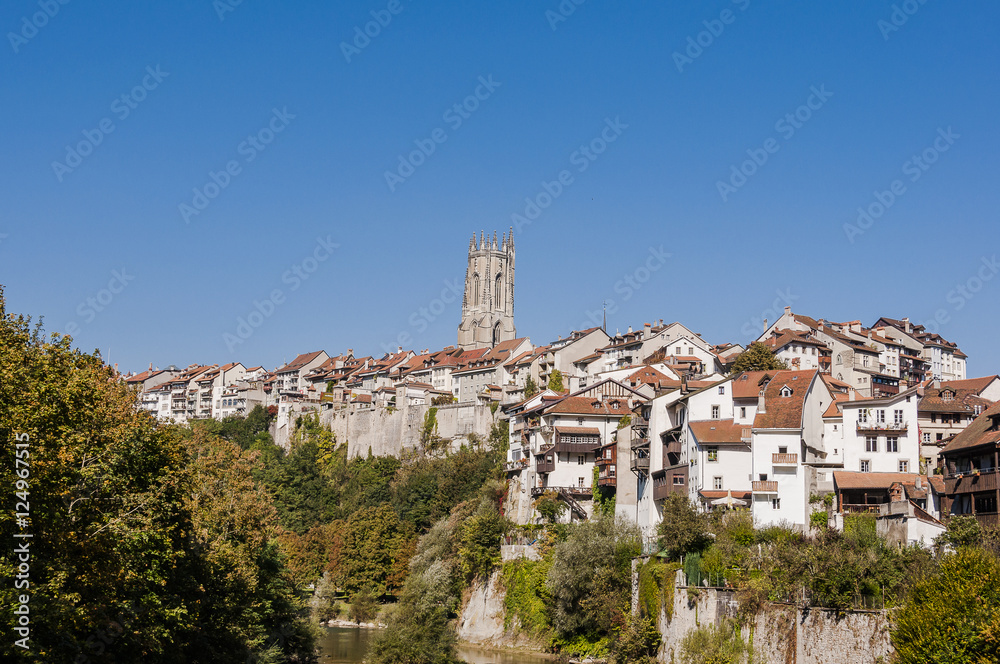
712	644
683	529
953	615
363	606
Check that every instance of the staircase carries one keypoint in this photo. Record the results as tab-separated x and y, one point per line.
574	506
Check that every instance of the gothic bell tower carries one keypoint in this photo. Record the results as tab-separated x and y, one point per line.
488	303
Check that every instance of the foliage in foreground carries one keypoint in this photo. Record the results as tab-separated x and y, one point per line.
953	615
148	545
711	644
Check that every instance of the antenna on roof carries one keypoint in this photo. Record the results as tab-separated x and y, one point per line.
604	325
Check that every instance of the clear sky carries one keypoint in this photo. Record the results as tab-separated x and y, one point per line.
121	120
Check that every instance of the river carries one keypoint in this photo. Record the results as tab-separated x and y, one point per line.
348	645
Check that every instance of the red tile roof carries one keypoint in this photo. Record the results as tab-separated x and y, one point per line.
785	412
717	431
747	384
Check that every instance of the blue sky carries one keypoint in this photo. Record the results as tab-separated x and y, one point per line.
309	128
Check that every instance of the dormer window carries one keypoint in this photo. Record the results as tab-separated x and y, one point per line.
947	395
786	391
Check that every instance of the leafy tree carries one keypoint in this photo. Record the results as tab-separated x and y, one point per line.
550	507
953	615
962	531
711	644
530	388
479	551
556	381
683	529
758	357
376	551
158	542
590	581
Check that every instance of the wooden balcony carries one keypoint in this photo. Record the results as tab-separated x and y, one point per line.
640	464
607	478
604	461
545	463
663	482
785	459
985	480
769	486
516	466
860	509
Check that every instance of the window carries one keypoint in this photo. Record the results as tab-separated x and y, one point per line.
927	437
897	416
871	443
863	416
940	436
786	391
782	450
717	483
880	416
677	351
713	454
678	480
715	412
839	361
904	466
776	503
580	459
763	477
743	412
892	444
866	466
722	389
579	482
690	350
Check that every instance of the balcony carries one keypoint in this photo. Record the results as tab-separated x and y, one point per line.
765	486
860	509
668	481
602	462
640	443
516	466
607	479
545	463
640	464
881	427
974	482
785	459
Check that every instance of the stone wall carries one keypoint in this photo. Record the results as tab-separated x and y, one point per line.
390	432
783	634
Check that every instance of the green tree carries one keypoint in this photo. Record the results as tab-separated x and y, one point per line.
962	531
556	381
683	528
758	357
159	542
376	551
953	615
479	550
530	388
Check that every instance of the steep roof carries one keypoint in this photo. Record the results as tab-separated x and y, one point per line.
589	406
299	362
747	384
982	431
785	412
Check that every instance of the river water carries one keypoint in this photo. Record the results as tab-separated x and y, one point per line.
348	645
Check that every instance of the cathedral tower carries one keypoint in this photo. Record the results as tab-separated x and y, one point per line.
488	303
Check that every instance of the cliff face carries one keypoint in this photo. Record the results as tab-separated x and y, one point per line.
781	634
483	616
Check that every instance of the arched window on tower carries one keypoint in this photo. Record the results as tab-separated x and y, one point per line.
497	297
496	334
475	288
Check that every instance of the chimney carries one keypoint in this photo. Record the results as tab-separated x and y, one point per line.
350	352
399	349
765	325
629	329
906	325
646	330
788	311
